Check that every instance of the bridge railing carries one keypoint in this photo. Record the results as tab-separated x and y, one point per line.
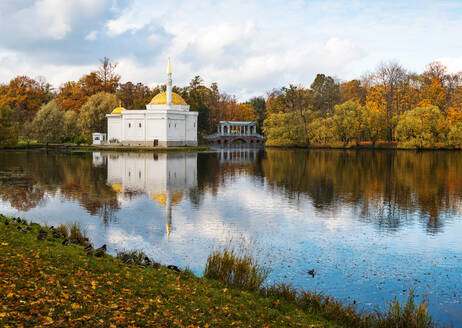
215	135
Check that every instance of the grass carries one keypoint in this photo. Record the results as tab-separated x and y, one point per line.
235	268
137	149
76	234
240	270
43	283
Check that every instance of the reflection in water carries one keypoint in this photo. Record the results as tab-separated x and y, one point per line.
165	177
373	224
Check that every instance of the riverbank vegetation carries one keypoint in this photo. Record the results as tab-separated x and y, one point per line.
49	278
43	282
391	107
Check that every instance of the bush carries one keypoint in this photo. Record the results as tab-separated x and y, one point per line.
235	268
82	139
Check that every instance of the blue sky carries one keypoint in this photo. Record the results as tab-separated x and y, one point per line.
247	47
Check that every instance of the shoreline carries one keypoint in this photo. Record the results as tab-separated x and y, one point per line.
49	278
71	147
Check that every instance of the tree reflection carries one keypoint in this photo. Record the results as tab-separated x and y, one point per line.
387	187
27	176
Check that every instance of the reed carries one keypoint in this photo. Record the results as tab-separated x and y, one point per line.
77	235
235	268
63	230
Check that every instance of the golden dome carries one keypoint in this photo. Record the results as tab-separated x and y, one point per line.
117	110
161	198
161	99
117	187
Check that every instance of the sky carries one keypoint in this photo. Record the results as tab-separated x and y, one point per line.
247	47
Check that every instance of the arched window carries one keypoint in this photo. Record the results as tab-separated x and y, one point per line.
139	125
129	125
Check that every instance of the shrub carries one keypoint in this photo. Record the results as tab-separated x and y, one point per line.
235	268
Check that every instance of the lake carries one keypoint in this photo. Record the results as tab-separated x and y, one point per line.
372	224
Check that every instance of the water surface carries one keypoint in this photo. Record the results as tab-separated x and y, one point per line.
372	224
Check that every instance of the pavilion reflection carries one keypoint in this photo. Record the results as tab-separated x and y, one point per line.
165	177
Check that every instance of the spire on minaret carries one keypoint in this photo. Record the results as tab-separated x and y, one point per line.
169	83
169	67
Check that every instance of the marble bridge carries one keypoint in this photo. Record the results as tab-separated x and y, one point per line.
234	132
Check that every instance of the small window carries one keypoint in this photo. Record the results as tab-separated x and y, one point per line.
175	124
139	125
169	125
194	124
129	125
139	174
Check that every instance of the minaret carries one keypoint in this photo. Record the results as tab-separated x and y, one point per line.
169	83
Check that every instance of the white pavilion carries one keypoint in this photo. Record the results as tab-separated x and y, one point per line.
165	122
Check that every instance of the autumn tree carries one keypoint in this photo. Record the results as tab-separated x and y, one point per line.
134	96
285	129
388	78
347	121
48	124
258	105
325	94
106	73
71	96
8	127
373	124
353	90
92	116
455	135
24	96
70	125
196	95
421	127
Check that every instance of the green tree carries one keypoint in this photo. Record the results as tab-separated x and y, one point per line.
47	125
347	121
92	116
455	135
8	128
258	104
421	127
286	129
325	94
374	124
71	127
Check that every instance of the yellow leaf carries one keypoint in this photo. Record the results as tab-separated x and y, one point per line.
75	306
48	319
4	244
10	295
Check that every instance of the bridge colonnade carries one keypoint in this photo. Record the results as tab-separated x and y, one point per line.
226	128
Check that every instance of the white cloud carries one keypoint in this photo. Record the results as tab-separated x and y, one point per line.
454	64
91	36
247	47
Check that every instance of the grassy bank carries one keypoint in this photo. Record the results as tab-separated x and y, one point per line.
380	145
70	147
43	282
48	276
